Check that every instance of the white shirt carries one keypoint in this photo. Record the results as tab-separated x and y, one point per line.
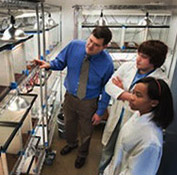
126	73
138	150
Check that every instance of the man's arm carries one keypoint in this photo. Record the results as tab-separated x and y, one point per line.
42	64
104	101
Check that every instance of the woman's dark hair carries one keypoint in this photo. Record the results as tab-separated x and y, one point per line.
103	32
156	50
159	90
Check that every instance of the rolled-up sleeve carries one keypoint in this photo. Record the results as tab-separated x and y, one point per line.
113	90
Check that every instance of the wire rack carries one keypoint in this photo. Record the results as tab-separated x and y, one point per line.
18	4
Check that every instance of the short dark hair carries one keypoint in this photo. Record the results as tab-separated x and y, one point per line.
156	50
159	90
103	32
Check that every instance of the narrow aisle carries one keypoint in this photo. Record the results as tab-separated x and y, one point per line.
64	165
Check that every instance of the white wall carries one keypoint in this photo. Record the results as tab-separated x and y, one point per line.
171	42
67	11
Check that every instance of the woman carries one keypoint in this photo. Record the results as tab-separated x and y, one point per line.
138	150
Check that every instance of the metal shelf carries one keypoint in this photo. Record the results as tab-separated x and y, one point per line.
127	22
16	7
17	124
18	4
128	26
143	7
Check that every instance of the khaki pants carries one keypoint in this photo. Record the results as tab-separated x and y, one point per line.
79	112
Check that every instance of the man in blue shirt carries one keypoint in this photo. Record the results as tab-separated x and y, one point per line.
87	111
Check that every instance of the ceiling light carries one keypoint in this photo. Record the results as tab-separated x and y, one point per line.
146	21
101	21
12	32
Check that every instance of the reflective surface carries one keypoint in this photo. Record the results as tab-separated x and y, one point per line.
18	103
12	33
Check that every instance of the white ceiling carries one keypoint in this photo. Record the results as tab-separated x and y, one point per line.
109	2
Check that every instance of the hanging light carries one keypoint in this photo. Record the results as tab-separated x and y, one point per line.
146	21
50	21
18	103
101	21
12	32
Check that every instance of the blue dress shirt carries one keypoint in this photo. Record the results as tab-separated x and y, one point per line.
100	70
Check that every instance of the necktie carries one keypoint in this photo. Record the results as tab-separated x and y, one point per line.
81	92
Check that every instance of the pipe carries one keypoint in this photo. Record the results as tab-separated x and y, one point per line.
45	75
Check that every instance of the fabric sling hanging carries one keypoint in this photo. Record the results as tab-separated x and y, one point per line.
81	92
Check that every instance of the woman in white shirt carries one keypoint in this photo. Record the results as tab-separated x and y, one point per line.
138	149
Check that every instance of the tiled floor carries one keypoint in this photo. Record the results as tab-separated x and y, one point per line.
64	165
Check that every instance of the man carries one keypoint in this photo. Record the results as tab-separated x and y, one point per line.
85	111
151	56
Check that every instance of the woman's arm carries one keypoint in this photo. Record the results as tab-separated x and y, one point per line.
143	161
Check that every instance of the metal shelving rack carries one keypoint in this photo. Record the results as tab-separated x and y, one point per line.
124	19
125	23
48	107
